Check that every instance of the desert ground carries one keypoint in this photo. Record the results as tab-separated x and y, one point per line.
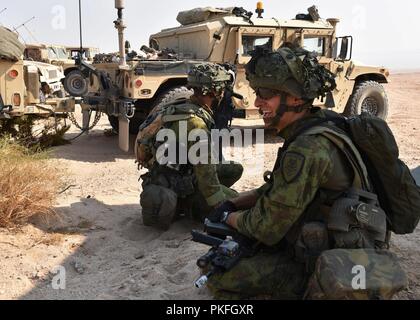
105	250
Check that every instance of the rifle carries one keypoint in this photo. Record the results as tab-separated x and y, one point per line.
228	248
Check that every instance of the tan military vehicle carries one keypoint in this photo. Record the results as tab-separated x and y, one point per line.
230	35
64	57
74	78
51	54
25	86
128	86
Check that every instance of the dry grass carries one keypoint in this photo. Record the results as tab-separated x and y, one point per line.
32	132
28	185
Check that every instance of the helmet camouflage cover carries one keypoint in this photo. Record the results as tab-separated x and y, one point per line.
295	71
209	77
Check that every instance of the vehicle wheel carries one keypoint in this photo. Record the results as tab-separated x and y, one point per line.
76	84
135	123
176	93
369	97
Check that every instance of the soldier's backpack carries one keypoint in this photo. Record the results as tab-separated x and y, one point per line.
178	110
398	193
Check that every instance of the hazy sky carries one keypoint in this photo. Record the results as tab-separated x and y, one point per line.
386	32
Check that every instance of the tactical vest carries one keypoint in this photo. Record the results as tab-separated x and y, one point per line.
180	110
329	222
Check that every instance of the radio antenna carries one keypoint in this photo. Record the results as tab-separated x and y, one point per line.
1	13
80	28
23	25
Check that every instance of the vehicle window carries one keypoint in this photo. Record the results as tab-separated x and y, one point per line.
314	44
62	53
52	54
74	53
249	43
33	54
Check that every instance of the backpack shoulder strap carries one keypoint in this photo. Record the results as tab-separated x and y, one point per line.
341	140
329	128
185	111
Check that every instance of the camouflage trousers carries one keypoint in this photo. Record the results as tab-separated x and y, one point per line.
229	174
278	276
196	204
264	276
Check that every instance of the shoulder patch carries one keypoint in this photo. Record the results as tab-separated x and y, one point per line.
292	165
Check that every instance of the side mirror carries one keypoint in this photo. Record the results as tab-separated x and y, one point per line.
344	45
344	49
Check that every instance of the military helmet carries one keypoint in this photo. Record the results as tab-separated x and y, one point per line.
292	70
210	77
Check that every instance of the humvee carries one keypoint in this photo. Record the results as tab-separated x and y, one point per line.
51	54
74	78
25	85
231	35
63	57
128	87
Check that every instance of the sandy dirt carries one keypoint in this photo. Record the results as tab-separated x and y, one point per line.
106	251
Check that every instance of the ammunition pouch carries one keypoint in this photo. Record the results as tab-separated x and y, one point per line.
355	221
179	179
182	185
312	241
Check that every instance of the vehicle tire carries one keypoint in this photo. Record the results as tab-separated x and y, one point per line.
135	123
76	84
369	97
173	94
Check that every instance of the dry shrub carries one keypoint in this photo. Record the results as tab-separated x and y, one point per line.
28	185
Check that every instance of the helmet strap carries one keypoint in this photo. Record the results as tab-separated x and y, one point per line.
284	108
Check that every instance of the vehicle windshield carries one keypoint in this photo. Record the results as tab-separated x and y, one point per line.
315	44
52	55
249	43
61	53
88	53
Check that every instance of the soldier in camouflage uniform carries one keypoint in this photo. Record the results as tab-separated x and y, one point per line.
289	214
185	189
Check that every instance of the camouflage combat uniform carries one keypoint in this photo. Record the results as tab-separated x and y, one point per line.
196	188
310	163
315	170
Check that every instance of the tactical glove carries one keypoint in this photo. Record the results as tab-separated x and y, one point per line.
219	212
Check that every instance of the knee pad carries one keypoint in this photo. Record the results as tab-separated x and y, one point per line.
158	206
